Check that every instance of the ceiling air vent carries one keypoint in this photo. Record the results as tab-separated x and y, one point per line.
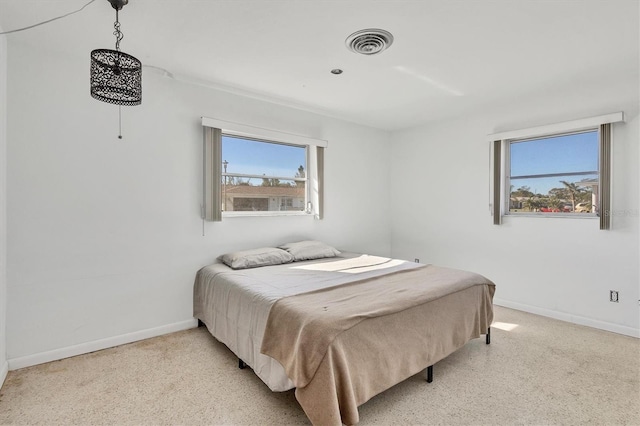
369	42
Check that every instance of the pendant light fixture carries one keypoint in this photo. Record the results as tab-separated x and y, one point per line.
116	77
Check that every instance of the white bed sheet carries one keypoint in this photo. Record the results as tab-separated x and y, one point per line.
235	304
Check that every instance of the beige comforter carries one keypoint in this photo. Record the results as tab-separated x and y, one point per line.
343	345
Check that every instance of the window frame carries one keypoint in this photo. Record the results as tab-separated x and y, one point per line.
497	163
241	213
506	199
212	167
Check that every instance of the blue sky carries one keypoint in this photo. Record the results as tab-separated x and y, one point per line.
564	154
570	153
258	158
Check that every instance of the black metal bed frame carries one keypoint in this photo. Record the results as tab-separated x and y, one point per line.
430	368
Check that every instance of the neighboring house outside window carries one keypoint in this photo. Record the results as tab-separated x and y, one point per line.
263	198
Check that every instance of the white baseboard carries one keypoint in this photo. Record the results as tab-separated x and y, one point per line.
96	345
4	369
575	319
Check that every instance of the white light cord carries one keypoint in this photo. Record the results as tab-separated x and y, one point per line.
47	21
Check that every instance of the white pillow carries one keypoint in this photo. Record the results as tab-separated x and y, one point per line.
307	250
265	256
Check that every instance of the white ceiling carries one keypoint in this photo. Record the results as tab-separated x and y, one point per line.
448	57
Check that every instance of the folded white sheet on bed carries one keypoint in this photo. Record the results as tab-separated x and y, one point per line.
235	304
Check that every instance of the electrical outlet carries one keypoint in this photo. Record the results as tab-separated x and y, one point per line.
613	296
417	260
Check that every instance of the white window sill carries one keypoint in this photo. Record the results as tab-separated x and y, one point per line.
264	214
556	215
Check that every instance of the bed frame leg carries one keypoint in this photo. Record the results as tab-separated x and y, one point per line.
488	338
430	374
241	364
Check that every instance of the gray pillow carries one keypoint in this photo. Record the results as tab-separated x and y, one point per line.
254	258
307	250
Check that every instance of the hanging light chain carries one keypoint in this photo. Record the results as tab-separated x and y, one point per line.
117	32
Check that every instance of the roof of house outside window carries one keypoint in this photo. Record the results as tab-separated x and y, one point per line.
265	191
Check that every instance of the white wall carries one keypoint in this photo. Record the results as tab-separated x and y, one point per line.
105	236
557	267
3	209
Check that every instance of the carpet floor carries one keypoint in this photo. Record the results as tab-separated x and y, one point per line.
536	371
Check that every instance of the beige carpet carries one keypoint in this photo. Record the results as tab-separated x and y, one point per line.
542	371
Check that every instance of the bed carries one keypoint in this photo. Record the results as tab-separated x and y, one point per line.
344	328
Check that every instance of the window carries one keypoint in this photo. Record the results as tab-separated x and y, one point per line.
252	171
263	176
558	170
553	174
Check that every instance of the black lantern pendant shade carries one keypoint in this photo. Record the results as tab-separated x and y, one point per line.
116	77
